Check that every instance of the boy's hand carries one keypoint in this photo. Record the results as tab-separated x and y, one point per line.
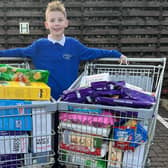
123	59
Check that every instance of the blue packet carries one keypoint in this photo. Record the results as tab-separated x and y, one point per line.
141	136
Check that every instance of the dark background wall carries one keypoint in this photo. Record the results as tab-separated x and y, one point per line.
138	28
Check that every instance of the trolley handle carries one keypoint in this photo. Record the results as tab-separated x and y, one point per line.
160	60
14	59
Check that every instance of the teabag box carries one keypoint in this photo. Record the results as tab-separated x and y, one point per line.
13	142
42	128
15	116
87	80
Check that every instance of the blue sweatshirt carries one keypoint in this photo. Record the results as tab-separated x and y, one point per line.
61	61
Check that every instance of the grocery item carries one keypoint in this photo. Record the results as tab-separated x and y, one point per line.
87	80
86	129
114	156
15	119
112	93
106	119
134	159
13	142
83	160
10	73
24	91
82	141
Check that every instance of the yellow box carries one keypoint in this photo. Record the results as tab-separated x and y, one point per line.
24	91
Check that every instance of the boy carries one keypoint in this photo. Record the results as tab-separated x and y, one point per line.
58	54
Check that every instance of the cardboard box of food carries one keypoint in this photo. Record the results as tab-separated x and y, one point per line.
42	128
13	142
24	91
14	116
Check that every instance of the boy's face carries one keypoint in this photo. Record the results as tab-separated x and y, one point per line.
56	23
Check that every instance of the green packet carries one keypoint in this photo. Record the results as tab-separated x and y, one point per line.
84	161
10	73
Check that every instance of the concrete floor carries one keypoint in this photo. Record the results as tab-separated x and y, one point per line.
158	154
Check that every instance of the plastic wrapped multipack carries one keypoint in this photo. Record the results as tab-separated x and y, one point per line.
100	131
105	119
10	73
83	160
83	143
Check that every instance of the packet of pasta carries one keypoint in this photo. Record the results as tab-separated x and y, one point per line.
10	73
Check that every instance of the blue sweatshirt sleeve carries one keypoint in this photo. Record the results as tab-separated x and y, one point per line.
28	51
86	53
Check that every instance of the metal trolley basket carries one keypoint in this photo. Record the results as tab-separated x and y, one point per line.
26	129
103	136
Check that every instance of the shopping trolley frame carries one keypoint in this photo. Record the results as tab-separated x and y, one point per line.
139	70
49	107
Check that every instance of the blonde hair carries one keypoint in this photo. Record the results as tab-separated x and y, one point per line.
55	6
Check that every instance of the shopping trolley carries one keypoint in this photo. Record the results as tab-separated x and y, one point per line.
108	136
26	129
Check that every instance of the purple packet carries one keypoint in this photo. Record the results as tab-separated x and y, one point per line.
106	93
78	95
99	86
74	100
136	95
85	92
117	84
68	94
107	85
123	102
